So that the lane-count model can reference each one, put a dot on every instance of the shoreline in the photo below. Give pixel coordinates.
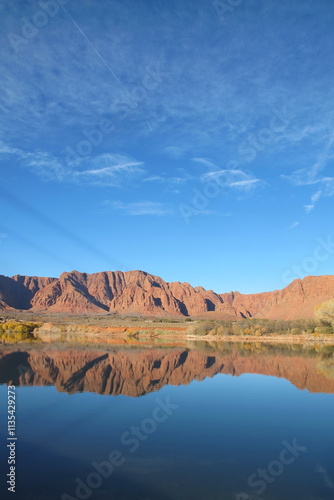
(146, 333)
(146, 340)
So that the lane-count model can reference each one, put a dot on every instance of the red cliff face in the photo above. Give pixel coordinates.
(138, 373)
(295, 301)
(137, 292)
(18, 291)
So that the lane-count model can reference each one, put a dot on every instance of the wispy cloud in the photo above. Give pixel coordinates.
(108, 168)
(139, 208)
(215, 98)
(206, 162)
(45, 165)
(152, 208)
(155, 178)
(245, 184)
(313, 175)
(316, 196)
(294, 224)
(5, 149)
(232, 178)
(308, 208)
(167, 179)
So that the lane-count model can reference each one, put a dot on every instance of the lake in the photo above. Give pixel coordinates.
(207, 422)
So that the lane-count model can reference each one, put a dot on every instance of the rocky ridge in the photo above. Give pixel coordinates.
(138, 292)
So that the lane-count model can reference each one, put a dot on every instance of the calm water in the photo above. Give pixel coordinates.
(171, 424)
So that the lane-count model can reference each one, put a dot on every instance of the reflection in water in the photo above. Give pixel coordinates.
(197, 433)
(138, 372)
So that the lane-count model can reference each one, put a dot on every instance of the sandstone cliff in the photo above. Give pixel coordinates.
(18, 291)
(137, 292)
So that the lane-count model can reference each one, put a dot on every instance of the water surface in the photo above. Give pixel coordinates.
(163, 424)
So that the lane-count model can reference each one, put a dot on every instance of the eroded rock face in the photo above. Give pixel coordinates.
(295, 301)
(18, 291)
(139, 292)
(138, 373)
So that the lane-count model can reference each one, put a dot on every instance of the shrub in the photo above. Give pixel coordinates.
(16, 331)
(324, 329)
(325, 313)
(295, 331)
(202, 329)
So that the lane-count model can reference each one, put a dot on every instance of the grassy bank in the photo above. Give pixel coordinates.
(138, 330)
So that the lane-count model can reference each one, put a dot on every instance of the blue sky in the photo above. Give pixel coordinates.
(190, 139)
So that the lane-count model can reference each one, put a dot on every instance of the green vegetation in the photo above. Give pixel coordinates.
(325, 314)
(25, 326)
(258, 327)
(18, 331)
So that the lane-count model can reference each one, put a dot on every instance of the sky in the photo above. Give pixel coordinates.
(190, 139)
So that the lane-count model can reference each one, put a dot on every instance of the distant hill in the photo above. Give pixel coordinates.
(138, 292)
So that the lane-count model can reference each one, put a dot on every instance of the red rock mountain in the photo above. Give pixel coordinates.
(137, 292)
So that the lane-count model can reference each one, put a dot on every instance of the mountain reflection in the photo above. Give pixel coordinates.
(139, 372)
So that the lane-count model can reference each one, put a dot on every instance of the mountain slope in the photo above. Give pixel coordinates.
(18, 291)
(138, 292)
